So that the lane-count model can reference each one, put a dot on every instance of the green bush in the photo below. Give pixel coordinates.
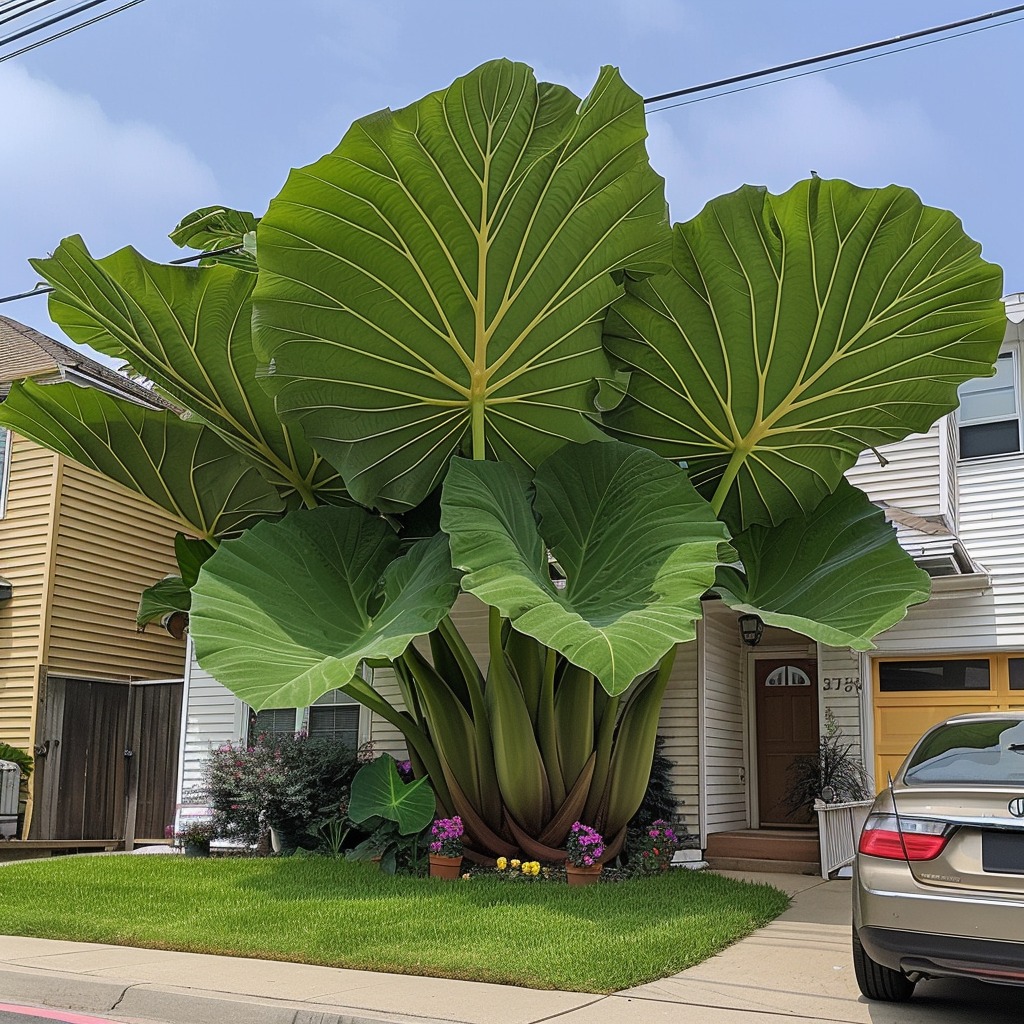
(291, 783)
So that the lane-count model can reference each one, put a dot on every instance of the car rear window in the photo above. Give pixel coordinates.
(965, 752)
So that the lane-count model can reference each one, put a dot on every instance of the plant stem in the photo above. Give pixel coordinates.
(739, 456)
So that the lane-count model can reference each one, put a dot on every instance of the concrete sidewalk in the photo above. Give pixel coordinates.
(797, 967)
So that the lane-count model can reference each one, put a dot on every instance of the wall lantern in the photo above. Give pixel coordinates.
(751, 629)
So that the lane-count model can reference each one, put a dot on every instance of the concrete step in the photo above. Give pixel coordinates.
(763, 844)
(789, 867)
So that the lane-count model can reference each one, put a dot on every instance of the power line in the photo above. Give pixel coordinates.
(836, 54)
(68, 31)
(32, 5)
(47, 22)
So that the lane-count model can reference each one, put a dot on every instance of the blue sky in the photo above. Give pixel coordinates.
(117, 131)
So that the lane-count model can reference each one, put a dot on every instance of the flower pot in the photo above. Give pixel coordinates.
(197, 849)
(582, 875)
(445, 867)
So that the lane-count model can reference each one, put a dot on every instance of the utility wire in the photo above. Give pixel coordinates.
(68, 31)
(8, 16)
(47, 22)
(46, 289)
(836, 54)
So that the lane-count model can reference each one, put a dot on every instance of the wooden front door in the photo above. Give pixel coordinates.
(786, 697)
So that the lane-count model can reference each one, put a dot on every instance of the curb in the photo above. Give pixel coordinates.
(58, 990)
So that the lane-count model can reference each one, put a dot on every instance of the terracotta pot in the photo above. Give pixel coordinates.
(582, 875)
(445, 867)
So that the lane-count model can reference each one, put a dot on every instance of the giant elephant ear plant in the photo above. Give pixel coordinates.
(478, 301)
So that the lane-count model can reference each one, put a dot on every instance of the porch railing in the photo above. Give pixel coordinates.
(839, 828)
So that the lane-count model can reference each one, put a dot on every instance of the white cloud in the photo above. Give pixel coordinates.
(66, 167)
(778, 135)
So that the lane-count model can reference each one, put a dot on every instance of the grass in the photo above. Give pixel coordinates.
(343, 914)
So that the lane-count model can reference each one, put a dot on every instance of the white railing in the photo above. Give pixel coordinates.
(839, 828)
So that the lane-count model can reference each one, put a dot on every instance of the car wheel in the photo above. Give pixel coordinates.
(875, 980)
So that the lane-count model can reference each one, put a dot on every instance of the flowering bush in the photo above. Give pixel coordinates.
(446, 837)
(584, 846)
(651, 848)
(195, 833)
(292, 783)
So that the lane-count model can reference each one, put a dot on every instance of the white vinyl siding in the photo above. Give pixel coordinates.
(213, 717)
(839, 690)
(5, 467)
(723, 728)
(678, 725)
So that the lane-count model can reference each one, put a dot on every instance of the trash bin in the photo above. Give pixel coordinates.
(10, 781)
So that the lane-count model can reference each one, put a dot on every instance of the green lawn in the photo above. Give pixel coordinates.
(343, 914)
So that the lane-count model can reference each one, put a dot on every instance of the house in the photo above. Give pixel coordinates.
(736, 713)
(97, 703)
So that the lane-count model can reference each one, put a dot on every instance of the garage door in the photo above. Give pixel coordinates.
(911, 694)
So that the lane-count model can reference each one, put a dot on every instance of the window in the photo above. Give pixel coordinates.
(955, 674)
(335, 716)
(5, 467)
(989, 416)
(1016, 669)
(970, 752)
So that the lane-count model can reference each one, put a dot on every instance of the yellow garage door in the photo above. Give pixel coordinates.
(913, 693)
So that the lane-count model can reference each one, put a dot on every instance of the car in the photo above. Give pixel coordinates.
(938, 878)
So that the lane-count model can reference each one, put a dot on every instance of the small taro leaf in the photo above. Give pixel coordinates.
(638, 545)
(378, 789)
(795, 331)
(190, 554)
(213, 227)
(188, 330)
(171, 594)
(838, 575)
(183, 467)
(448, 267)
(288, 611)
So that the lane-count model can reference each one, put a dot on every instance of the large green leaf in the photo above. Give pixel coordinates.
(188, 329)
(288, 611)
(837, 575)
(637, 544)
(378, 790)
(213, 227)
(163, 598)
(440, 278)
(183, 467)
(795, 331)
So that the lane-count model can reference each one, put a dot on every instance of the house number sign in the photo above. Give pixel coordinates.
(788, 675)
(841, 684)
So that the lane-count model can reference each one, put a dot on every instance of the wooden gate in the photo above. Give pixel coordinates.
(107, 760)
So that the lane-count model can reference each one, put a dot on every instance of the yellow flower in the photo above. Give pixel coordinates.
(531, 868)
(515, 863)
(501, 863)
(466, 877)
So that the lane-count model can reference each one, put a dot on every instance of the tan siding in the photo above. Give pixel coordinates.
(111, 545)
(723, 738)
(678, 724)
(24, 560)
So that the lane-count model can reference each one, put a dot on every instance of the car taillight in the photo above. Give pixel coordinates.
(902, 838)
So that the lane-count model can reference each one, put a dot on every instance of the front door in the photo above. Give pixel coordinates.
(786, 698)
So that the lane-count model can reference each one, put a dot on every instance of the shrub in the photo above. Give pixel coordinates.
(834, 768)
(659, 801)
(651, 848)
(292, 783)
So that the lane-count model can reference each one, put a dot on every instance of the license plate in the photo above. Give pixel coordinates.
(1003, 852)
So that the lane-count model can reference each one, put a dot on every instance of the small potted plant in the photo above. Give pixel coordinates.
(653, 847)
(583, 851)
(194, 838)
(446, 847)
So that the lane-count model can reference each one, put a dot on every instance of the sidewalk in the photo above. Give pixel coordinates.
(798, 967)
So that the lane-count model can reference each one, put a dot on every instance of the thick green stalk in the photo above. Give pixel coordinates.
(547, 732)
(728, 479)
(603, 758)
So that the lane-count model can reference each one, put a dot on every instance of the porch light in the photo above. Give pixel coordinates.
(751, 629)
